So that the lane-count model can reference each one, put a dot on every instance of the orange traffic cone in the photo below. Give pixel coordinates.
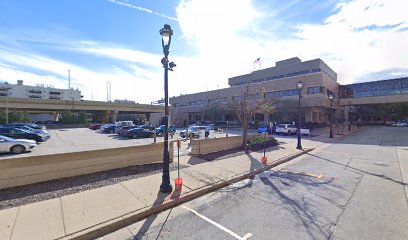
(179, 184)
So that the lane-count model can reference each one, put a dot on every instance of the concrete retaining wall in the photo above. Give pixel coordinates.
(27, 170)
(209, 145)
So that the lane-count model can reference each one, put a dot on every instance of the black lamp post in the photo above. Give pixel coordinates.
(299, 86)
(331, 97)
(166, 32)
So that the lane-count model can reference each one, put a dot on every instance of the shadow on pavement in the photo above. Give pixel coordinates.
(359, 170)
(300, 209)
(149, 221)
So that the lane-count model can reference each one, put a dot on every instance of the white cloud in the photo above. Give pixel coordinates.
(125, 84)
(358, 38)
(142, 9)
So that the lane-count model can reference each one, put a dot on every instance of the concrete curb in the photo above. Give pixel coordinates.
(132, 217)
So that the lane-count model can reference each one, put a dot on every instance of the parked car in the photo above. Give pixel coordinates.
(31, 125)
(15, 145)
(265, 128)
(286, 129)
(123, 129)
(37, 131)
(400, 124)
(160, 130)
(110, 128)
(194, 132)
(149, 127)
(95, 126)
(139, 133)
(21, 134)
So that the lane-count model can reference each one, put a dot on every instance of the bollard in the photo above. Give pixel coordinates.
(179, 181)
(264, 158)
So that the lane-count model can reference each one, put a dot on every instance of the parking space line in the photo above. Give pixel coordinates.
(247, 236)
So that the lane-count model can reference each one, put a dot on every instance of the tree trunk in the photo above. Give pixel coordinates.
(244, 132)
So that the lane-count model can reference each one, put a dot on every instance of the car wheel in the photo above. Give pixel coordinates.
(111, 131)
(17, 149)
(289, 133)
(134, 136)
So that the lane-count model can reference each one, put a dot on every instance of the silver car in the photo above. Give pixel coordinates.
(15, 145)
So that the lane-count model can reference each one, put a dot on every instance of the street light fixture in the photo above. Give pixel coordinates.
(331, 97)
(299, 86)
(6, 88)
(166, 32)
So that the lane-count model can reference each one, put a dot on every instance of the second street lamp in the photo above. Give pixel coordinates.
(166, 32)
(299, 86)
(331, 97)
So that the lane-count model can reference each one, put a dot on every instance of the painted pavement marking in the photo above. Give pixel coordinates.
(247, 236)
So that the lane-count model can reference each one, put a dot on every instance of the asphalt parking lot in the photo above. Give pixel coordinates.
(83, 139)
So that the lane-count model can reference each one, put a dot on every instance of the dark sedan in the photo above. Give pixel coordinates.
(108, 128)
(139, 133)
(149, 127)
(21, 134)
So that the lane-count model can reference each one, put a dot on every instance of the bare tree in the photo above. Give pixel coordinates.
(254, 100)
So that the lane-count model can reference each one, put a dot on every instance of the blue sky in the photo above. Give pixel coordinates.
(119, 41)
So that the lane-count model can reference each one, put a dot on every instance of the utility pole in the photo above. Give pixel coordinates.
(108, 91)
(69, 84)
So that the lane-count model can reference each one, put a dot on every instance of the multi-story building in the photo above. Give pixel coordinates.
(38, 92)
(278, 82)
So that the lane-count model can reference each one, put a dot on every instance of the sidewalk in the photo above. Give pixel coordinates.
(99, 211)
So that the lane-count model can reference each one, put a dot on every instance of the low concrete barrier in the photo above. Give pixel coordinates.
(27, 170)
(209, 145)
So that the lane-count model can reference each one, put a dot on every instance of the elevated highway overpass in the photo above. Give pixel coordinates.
(105, 111)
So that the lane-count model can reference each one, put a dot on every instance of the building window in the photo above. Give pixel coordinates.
(34, 91)
(321, 117)
(314, 90)
(182, 104)
(314, 116)
(275, 77)
(272, 94)
(237, 98)
(297, 73)
(34, 96)
(257, 80)
(216, 100)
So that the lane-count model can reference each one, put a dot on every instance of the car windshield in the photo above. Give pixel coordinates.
(281, 126)
(26, 128)
(6, 138)
(22, 130)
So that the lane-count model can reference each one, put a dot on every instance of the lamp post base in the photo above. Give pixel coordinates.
(166, 188)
